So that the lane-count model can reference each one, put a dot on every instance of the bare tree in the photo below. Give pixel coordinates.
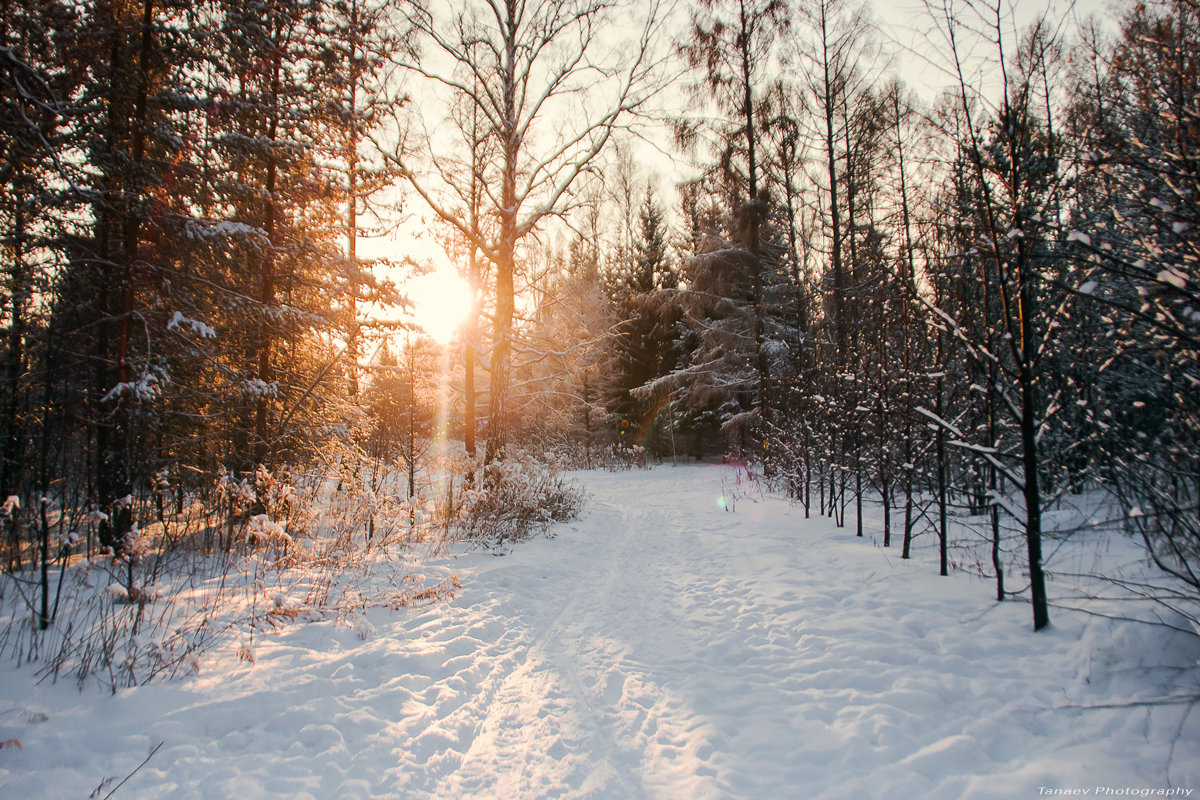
(548, 89)
(1137, 112)
(1014, 184)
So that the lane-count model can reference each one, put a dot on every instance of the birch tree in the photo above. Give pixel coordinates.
(550, 86)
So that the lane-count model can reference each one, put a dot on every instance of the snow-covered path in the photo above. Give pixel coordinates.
(660, 647)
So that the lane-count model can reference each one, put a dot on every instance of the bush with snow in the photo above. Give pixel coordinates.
(518, 498)
(250, 555)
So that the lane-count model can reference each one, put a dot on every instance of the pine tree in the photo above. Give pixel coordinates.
(731, 47)
(643, 292)
(1010, 193)
(35, 91)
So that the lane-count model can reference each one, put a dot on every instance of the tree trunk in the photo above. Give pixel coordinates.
(942, 485)
(113, 436)
(352, 144)
(266, 298)
(505, 261)
(1029, 460)
(839, 276)
(858, 496)
(753, 224)
(886, 496)
(908, 286)
(10, 457)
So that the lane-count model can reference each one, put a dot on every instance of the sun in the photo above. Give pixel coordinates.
(441, 300)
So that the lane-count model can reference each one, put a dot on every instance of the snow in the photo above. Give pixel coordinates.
(659, 647)
(1173, 277)
(207, 229)
(256, 387)
(198, 328)
(263, 529)
(144, 389)
(950, 426)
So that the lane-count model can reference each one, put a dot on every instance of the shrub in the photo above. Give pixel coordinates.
(518, 498)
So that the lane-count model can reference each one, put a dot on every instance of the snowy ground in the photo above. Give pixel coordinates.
(660, 647)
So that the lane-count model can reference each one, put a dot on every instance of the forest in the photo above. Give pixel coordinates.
(955, 278)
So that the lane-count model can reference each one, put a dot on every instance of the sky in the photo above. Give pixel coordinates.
(910, 49)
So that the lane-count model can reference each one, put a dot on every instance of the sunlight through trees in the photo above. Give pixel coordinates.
(968, 302)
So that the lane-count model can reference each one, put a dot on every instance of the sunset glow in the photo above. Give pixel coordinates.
(441, 301)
